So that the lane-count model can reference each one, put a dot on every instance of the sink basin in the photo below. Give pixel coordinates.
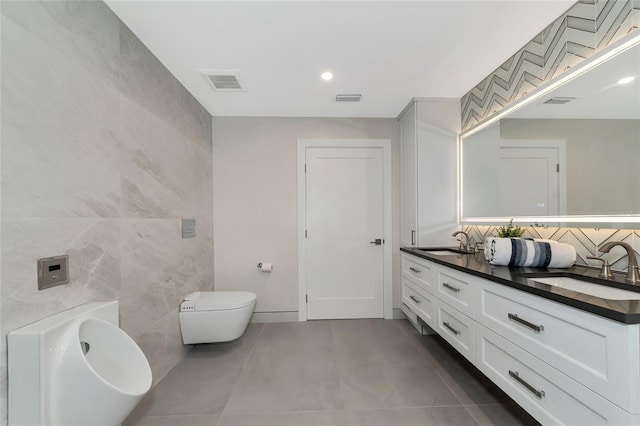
(442, 251)
(603, 291)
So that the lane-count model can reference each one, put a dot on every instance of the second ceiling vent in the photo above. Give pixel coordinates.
(223, 80)
(348, 97)
(559, 100)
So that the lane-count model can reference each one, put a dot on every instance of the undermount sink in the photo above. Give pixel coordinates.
(585, 287)
(440, 251)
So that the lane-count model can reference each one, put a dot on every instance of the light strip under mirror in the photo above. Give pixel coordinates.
(599, 210)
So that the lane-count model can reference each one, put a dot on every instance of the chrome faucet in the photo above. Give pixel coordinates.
(463, 247)
(633, 275)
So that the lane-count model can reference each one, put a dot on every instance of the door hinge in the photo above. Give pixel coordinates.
(305, 168)
(306, 298)
(305, 233)
(557, 168)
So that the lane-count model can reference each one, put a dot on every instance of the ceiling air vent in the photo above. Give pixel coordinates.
(559, 100)
(223, 80)
(348, 97)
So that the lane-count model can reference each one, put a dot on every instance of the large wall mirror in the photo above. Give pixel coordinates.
(571, 156)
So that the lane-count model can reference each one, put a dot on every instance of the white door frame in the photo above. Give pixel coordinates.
(385, 144)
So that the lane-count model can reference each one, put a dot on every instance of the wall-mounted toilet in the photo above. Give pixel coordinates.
(215, 316)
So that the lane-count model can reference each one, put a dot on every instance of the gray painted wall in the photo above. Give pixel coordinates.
(103, 152)
(255, 200)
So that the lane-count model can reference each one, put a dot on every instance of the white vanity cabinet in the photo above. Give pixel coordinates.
(550, 396)
(450, 301)
(456, 328)
(417, 289)
(428, 180)
(599, 353)
(420, 302)
(563, 365)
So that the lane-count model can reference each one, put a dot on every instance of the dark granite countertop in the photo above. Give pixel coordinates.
(521, 278)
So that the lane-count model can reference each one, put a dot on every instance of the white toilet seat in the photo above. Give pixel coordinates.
(218, 300)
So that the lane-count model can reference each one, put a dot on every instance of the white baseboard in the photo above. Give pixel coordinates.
(292, 316)
(275, 317)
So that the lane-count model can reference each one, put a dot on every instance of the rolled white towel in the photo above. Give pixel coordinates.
(538, 253)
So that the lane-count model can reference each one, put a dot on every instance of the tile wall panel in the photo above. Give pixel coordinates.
(589, 26)
(103, 152)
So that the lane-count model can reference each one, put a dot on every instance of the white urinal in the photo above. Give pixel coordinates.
(101, 363)
(75, 368)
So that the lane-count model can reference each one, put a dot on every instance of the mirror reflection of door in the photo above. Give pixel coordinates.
(528, 181)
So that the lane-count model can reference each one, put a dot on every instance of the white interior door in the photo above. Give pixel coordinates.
(528, 183)
(344, 214)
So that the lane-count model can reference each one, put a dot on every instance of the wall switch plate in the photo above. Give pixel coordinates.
(188, 228)
(53, 271)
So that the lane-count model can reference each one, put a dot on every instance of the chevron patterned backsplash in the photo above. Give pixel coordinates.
(586, 28)
(585, 240)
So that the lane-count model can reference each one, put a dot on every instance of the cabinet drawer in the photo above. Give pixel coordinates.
(419, 271)
(544, 392)
(456, 328)
(419, 301)
(456, 290)
(600, 354)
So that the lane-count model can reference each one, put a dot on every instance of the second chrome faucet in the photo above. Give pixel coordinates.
(633, 275)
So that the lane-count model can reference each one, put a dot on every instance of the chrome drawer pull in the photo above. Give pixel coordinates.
(536, 328)
(415, 299)
(453, 330)
(412, 269)
(450, 287)
(536, 392)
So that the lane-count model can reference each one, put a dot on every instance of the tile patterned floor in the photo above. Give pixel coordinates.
(329, 373)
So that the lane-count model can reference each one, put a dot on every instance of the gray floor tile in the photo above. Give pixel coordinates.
(392, 386)
(312, 418)
(352, 372)
(509, 414)
(380, 367)
(362, 343)
(291, 369)
(431, 416)
(468, 384)
(202, 381)
(204, 420)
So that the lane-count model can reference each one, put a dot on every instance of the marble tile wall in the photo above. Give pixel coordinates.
(102, 153)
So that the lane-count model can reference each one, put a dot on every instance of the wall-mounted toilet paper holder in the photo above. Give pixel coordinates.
(265, 266)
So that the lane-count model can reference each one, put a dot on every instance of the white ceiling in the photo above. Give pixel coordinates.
(389, 51)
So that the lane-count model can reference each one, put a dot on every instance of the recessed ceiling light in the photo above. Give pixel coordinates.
(626, 80)
(326, 76)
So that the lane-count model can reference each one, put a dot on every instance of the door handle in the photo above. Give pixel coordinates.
(378, 241)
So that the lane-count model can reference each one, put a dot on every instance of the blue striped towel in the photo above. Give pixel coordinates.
(529, 252)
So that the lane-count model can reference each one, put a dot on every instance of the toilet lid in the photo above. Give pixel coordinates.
(220, 300)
